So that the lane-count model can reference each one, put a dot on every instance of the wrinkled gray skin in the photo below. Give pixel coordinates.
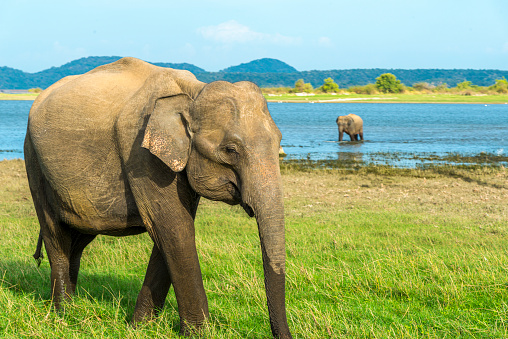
(352, 125)
(129, 148)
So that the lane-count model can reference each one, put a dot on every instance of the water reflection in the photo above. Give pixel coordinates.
(352, 144)
(351, 157)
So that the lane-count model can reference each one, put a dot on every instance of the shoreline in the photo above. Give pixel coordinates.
(501, 100)
(18, 97)
(397, 161)
(416, 98)
(378, 99)
(337, 101)
(385, 102)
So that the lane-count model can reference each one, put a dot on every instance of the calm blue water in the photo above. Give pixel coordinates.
(13, 120)
(309, 130)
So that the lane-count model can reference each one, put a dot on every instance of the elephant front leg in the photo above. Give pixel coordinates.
(168, 213)
(179, 250)
(167, 205)
(155, 288)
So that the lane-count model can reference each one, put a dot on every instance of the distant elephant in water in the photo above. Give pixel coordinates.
(129, 148)
(352, 124)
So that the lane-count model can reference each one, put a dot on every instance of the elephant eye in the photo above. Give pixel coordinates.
(231, 149)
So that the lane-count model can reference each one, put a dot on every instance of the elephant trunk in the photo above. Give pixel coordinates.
(262, 192)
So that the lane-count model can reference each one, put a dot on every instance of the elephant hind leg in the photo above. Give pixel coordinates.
(56, 239)
(64, 247)
(155, 288)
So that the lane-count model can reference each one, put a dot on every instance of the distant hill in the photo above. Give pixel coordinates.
(265, 65)
(11, 78)
(264, 72)
(15, 79)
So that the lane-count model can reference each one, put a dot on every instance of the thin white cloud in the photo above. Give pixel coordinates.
(325, 42)
(61, 49)
(230, 32)
(188, 50)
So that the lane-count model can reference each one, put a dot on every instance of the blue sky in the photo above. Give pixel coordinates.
(308, 35)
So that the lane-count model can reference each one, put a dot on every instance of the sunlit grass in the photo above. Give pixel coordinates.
(372, 252)
(27, 96)
(392, 98)
(353, 97)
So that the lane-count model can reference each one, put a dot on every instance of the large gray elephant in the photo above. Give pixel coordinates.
(129, 148)
(352, 125)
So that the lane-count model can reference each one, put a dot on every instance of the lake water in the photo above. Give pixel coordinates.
(408, 130)
(309, 130)
(13, 120)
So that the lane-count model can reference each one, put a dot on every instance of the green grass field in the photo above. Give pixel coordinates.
(28, 96)
(351, 97)
(372, 252)
(393, 98)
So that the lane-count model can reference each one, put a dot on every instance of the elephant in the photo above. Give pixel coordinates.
(130, 147)
(352, 124)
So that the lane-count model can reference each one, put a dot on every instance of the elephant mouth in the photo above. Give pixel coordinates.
(237, 197)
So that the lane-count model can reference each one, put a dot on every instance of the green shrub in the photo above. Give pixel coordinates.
(388, 83)
(329, 86)
(464, 85)
(442, 88)
(367, 89)
(423, 86)
(501, 86)
(275, 90)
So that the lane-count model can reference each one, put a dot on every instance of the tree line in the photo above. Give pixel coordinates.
(361, 77)
(286, 76)
(388, 83)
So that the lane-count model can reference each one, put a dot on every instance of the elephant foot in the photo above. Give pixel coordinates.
(144, 314)
(188, 330)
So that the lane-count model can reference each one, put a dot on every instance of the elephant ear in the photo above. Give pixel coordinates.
(167, 134)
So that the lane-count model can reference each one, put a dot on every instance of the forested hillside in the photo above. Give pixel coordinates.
(265, 65)
(264, 72)
(15, 79)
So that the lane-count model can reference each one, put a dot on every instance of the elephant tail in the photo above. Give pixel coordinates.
(38, 255)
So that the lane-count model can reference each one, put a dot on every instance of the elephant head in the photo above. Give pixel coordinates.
(350, 124)
(343, 124)
(228, 145)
